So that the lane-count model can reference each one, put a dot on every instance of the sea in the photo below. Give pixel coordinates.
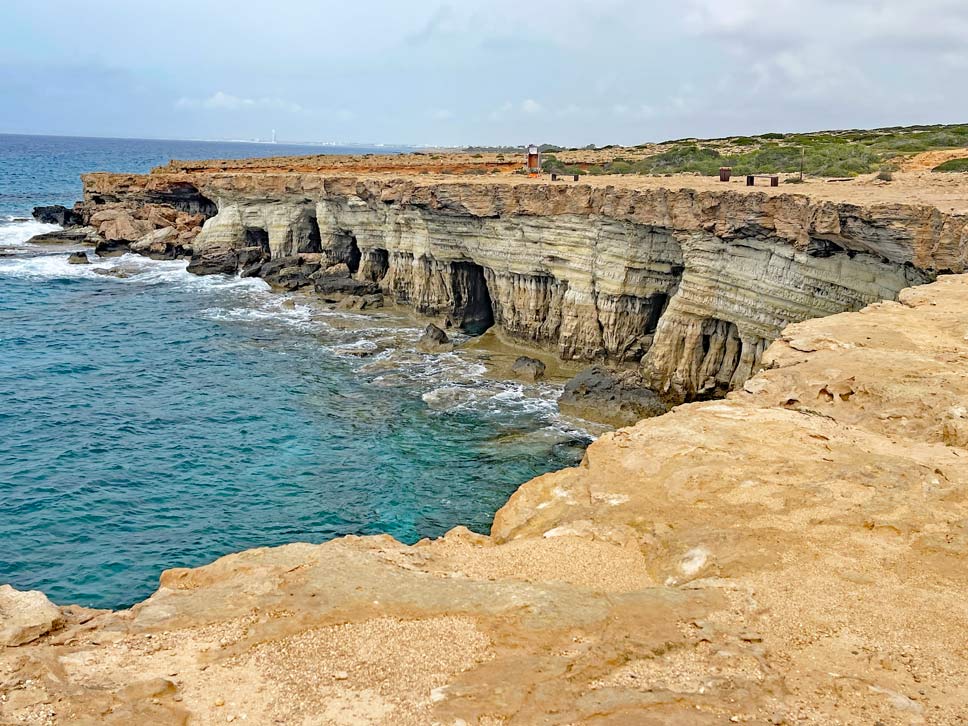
(150, 418)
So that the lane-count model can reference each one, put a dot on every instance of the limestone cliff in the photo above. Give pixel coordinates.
(690, 286)
(794, 554)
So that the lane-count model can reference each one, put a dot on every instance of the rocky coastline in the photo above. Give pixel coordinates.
(683, 288)
(792, 554)
(789, 553)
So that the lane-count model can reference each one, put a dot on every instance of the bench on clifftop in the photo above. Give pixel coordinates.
(751, 179)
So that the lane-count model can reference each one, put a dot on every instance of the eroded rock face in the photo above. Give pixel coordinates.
(25, 616)
(689, 286)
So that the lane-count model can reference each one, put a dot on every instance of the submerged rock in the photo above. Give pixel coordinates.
(78, 258)
(528, 369)
(25, 616)
(434, 340)
(618, 398)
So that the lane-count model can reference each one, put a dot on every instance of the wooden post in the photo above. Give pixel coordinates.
(576, 177)
(554, 177)
(749, 180)
(774, 181)
(803, 153)
(724, 173)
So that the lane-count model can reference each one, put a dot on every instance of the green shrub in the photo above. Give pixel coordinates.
(953, 165)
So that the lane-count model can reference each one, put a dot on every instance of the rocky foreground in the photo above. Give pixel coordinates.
(793, 554)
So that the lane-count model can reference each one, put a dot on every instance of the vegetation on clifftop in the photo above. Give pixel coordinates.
(825, 154)
(953, 165)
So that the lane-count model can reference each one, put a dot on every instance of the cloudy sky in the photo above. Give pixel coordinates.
(478, 71)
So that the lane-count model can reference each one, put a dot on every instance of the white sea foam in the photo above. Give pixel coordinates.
(15, 232)
(382, 349)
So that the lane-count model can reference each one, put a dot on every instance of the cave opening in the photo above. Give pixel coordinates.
(353, 255)
(472, 300)
(256, 237)
(657, 306)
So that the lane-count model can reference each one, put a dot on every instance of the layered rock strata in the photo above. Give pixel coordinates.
(793, 554)
(688, 286)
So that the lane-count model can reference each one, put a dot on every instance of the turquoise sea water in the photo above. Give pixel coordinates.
(151, 419)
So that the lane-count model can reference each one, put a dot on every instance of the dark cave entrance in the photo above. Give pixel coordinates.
(255, 237)
(657, 306)
(472, 301)
(353, 255)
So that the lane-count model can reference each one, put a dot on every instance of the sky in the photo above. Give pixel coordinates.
(478, 72)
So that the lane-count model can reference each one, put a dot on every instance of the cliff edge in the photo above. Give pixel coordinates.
(681, 280)
(793, 554)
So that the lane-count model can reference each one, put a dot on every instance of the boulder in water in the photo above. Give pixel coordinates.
(57, 214)
(434, 340)
(288, 273)
(528, 369)
(73, 236)
(333, 288)
(215, 261)
(618, 398)
(111, 248)
(78, 258)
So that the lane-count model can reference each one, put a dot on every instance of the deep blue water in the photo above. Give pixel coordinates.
(157, 419)
(40, 170)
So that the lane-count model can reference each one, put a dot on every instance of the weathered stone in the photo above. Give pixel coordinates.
(72, 235)
(290, 278)
(333, 288)
(360, 302)
(25, 615)
(218, 261)
(434, 340)
(78, 258)
(528, 369)
(111, 248)
(619, 398)
(57, 214)
(159, 244)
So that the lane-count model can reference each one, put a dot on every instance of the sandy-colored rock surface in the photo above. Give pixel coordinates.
(794, 554)
(25, 616)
